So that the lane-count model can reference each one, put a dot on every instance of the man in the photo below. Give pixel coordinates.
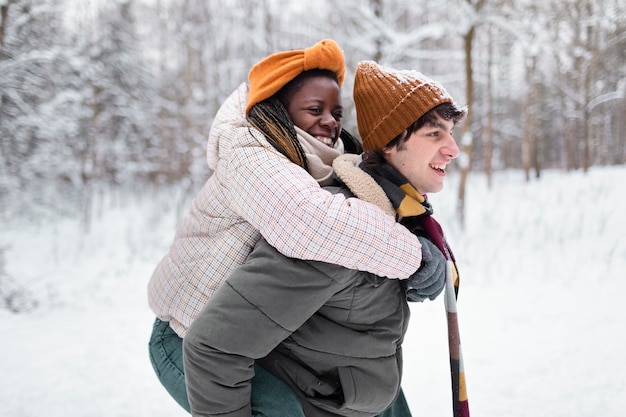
(334, 335)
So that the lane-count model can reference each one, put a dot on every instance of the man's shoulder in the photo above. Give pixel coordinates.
(265, 256)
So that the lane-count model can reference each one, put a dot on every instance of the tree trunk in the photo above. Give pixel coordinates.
(528, 123)
(466, 136)
(488, 128)
(586, 122)
(4, 12)
(377, 6)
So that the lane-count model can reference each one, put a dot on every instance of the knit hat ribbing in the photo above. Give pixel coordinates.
(270, 74)
(388, 101)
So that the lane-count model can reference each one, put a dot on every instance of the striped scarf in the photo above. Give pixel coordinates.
(415, 213)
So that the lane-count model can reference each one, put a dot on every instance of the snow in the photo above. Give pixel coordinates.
(540, 306)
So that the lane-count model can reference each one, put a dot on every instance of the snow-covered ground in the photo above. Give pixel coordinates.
(541, 305)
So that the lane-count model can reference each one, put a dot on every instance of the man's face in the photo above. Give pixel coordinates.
(423, 158)
(316, 108)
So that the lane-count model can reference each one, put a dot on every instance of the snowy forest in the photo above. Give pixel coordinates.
(123, 92)
(105, 108)
(119, 95)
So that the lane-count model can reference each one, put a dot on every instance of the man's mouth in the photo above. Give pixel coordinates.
(439, 167)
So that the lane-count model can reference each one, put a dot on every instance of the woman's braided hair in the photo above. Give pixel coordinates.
(270, 116)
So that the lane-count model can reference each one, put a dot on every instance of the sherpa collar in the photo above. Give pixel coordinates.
(407, 201)
(360, 183)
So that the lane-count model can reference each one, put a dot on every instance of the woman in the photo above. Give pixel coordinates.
(263, 185)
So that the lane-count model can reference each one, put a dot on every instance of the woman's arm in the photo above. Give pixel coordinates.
(303, 221)
(298, 217)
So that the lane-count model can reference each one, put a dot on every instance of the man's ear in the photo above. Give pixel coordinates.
(389, 150)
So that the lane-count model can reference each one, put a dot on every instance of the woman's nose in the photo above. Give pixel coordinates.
(329, 120)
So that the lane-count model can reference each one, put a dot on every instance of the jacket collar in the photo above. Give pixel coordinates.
(361, 184)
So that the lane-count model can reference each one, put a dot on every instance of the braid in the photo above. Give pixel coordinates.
(271, 118)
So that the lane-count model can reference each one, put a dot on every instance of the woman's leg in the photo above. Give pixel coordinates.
(399, 408)
(166, 355)
(271, 397)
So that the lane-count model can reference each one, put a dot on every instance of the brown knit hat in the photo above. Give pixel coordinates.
(387, 101)
(271, 74)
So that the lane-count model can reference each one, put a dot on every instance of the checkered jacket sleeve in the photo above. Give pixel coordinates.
(256, 191)
(303, 221)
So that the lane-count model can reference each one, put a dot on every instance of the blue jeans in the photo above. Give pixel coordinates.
(271, 397)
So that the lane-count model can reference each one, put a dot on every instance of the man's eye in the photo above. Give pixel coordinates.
(315, 110)
(338, 116)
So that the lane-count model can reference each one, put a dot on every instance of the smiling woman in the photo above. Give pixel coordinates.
(310, 107)
(313, 101)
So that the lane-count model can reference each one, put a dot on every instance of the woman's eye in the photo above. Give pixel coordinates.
(338, 116)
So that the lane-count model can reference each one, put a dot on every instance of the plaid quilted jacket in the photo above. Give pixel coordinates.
(255, 191)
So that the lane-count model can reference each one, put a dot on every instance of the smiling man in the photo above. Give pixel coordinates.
(332, 334)
(387, 103)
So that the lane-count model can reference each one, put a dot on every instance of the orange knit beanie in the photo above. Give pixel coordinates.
(388, 101)
(269, 75)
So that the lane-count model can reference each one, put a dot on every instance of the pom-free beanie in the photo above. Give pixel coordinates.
(270, 74)
(388, 101)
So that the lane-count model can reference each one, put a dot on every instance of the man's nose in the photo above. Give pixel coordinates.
(451, 149)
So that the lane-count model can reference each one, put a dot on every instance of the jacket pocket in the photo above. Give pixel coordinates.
(371, 389)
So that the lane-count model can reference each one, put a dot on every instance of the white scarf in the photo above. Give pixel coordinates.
(319, 156)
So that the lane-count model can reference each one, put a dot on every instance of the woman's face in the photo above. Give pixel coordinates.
(316, 108)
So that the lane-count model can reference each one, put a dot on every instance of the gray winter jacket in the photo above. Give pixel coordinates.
(332, 333)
